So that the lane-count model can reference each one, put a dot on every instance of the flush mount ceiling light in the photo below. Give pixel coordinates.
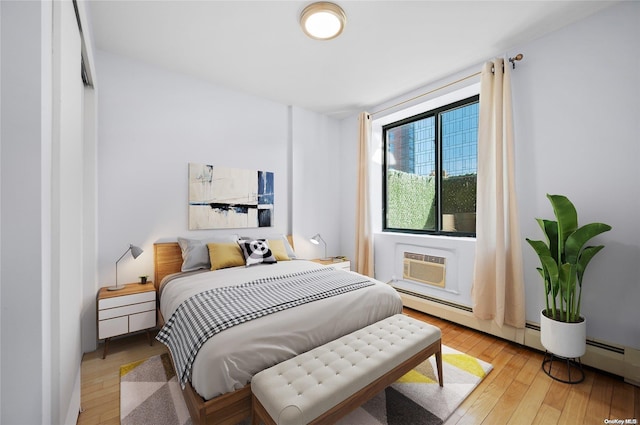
(323, 20)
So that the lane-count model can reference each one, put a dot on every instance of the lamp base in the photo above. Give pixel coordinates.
(115, 288)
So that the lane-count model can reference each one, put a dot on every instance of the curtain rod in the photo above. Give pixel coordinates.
(513, 60)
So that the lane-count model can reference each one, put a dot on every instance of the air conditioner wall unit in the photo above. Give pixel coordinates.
(426, 269)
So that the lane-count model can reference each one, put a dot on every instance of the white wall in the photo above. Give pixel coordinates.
(316, 183)
(90, 189)
(348, 158)
(577, 133)
(576, 129)
(41, 214)
(1, 207)
(68, 204)
(25, 275)
(90, 220)
(153, 122)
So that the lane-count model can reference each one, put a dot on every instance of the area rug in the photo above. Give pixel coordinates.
(150, 393)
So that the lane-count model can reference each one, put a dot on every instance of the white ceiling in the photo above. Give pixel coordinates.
(387, 49)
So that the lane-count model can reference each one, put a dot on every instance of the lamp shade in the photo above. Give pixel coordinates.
(316, 239)
(135, 253)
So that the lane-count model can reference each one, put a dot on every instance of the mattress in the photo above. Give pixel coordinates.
(228, 360)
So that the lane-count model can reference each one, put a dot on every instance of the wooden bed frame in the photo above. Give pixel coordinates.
(226, 409)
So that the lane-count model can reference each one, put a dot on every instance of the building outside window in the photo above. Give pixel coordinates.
(430, 171)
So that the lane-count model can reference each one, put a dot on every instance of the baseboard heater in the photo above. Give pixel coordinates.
(434, 300)
(598, 344)
(616, 359)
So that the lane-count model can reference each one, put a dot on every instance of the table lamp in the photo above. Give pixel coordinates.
(135, 252)
(316, 241)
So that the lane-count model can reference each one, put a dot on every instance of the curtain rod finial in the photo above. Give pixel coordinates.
(517, 57)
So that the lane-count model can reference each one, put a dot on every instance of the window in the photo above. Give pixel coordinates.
(430, 170)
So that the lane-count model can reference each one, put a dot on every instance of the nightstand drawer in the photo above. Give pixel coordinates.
(126, 299)
(140, 321)
(126, 310)
(345, 265)
(113, 327)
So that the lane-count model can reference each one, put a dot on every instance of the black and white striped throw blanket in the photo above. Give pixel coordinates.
(203, 315)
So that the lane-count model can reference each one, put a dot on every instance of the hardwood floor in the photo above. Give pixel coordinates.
(516, 391)
(100, 389)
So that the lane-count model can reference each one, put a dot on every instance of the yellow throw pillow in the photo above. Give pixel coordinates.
(223, 255)
(278, 249)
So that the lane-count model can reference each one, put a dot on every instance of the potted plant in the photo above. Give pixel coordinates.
(564, 258)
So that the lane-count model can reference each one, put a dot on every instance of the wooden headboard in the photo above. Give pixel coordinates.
(167, 259)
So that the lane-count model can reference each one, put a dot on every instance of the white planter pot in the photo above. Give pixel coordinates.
(563, 339)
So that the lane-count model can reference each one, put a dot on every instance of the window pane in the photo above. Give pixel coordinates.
(411, 176)
(459, 163)
(430, 170)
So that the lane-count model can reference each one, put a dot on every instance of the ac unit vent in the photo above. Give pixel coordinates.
(427, 269)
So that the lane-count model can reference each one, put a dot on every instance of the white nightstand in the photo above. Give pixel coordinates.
(127, 310)
(335, 262)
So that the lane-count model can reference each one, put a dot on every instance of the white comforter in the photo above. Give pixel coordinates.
(228, 360)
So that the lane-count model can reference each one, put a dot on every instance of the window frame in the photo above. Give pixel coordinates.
(435, 112)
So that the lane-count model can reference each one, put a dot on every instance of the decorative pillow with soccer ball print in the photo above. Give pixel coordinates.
(256, 251)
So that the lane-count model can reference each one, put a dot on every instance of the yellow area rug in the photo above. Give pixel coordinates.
(150, 393)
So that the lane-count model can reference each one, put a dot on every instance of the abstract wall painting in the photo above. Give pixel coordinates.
(223, 198)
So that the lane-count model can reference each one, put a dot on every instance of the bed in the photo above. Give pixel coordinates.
(218, 391)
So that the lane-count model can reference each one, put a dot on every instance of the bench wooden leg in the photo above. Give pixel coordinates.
(259, 414)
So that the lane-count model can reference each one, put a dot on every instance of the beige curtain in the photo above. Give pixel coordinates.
(498, 286)
(364, 239)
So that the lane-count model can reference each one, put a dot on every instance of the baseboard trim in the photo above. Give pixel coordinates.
(449, 311)
(615, 359)
(73, 410)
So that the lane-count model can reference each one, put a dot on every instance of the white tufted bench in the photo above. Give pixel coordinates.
(324, 384)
